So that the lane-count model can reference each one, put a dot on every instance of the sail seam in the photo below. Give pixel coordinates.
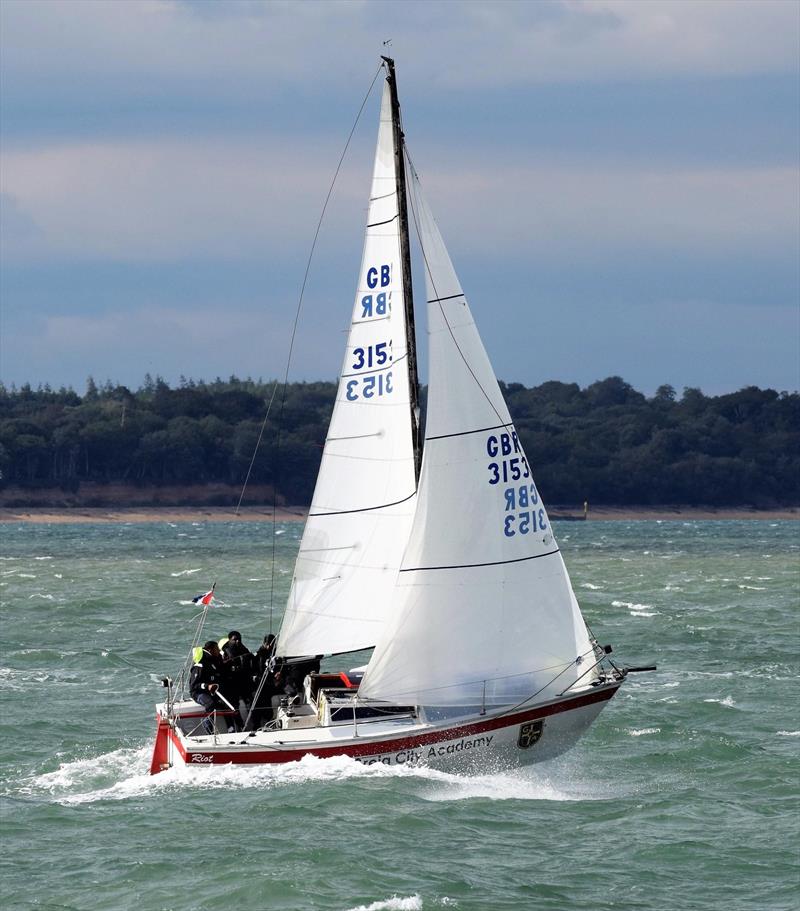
(437, 300)
(364, 322)
(419, 569)
(377, 224)
(344, 512)
(385, 196)
(464, 433)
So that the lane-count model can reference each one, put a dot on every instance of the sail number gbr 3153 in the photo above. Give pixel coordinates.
(523, 511)
(373, 360)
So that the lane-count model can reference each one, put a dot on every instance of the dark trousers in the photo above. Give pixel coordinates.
(211, 704)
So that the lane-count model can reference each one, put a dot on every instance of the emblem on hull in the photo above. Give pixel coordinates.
(529, 734)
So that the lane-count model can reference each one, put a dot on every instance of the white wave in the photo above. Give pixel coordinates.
(42, 558)
(25, 576)
(85, 780)
(639, 732)
(591, 587)
(20, 681)
(280, 531)
(556, 783)
(754, 588)
(186, 572)
(727, 701)
(670, 685)
(43, 597)
(58, 575)
(788, 733)
(411, 903)
(123, 774)
(631, 606)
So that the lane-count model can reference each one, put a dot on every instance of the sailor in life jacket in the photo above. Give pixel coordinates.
(204, 680)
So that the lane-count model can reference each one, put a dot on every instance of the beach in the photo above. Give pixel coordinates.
(54, 516)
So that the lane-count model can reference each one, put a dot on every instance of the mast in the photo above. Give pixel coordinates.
(405, 260)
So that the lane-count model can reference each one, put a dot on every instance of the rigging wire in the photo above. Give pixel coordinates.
(255, 450)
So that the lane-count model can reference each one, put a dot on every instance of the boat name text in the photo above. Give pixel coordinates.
(423, 754)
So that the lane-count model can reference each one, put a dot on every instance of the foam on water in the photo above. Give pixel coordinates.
(395, 903)
(555, 782)
(20, 681)
(727, 701)
(637, 610)
(123, 774)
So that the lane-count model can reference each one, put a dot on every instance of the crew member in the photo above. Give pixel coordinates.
(204, 682)
(263, 682)
(238, 667)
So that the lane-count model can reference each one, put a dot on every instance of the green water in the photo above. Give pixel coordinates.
(683, 795)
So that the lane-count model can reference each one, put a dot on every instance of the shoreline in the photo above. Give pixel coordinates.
(99, 515)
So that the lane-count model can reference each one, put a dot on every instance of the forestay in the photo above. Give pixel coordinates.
(363, 502)
(484, 609)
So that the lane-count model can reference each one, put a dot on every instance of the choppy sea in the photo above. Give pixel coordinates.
(683, 795)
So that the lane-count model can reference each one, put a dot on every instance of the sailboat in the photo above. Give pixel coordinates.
(438, 555)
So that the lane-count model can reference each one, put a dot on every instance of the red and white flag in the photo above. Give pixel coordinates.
(205, 599)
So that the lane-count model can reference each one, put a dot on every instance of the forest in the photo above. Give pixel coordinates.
(605, 443)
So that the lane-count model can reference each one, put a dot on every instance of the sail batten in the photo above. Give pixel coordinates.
(427, 569)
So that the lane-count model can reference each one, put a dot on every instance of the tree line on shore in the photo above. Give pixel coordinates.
(606, 443)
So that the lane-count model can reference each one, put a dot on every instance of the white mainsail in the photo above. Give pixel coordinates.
(363, 503)
(484, 609)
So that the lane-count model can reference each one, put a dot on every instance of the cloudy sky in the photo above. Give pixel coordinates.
(617, 183)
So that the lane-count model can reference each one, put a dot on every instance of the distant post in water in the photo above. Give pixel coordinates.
(585, 509)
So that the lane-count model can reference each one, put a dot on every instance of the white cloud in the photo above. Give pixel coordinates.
(581, 211)
(171, 199)
(457, 43)
(257, 198)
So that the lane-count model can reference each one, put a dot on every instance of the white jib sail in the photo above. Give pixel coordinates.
(363, 503)
(484, 608)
